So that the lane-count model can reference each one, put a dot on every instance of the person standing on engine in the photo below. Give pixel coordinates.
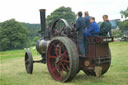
(80, 28)
(87, 19)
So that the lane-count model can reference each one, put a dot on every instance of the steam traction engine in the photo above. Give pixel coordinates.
(59, 49)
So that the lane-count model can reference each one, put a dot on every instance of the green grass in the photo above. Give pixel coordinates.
(12, 70)
(11, 54)
(14, 54)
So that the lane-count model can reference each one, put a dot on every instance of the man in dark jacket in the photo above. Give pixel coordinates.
(80, 27)
(105, 27)
(87, 19)
(93, 30)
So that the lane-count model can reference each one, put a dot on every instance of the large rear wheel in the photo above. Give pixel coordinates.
(62, 59)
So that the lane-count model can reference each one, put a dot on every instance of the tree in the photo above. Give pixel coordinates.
(34, 41)
(62, 12)
(13, 35)
(123, 25)
(33, 30)
(124, 13)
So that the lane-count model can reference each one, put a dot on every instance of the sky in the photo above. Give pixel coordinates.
(28, 10)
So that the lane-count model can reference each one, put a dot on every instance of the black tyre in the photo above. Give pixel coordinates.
(28, 62)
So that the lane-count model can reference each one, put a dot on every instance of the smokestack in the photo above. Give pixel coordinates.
(43, 23)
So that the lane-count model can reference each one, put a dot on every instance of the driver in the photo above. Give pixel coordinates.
(80, 27)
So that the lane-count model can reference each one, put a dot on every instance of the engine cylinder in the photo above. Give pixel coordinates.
(41, 46)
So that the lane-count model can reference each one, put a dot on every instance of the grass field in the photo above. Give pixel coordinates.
(12, 70)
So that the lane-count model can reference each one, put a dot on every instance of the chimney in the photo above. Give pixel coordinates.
(43, 23)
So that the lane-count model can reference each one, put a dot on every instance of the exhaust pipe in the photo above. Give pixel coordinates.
(42, 21)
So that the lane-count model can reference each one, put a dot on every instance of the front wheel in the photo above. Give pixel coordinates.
(62, 59)
(28, 62)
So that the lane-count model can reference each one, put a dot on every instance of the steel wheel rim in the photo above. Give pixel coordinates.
(58, 60)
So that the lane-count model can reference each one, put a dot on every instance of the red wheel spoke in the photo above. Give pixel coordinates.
(58, 65)
(64, 54)
(64, 68)
(60, 72)
(52, 56)
(65, 61)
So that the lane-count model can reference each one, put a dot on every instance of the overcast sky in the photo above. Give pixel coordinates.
(28, 10)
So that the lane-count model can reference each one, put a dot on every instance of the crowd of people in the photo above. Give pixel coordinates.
(87, 26)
